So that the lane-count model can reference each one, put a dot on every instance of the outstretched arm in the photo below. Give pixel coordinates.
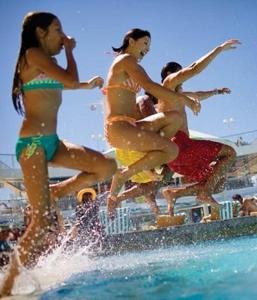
(202, 95)
(94, 82)
(179, 77)
(136, 72)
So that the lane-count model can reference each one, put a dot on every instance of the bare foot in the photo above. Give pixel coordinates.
(112, 204)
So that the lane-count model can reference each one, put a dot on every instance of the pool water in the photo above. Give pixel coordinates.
(213, 270)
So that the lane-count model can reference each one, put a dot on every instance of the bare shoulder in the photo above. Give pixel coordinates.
(171, 81)
(37, 57)
(34, 53)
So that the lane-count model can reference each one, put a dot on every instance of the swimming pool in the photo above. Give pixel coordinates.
(212, 270)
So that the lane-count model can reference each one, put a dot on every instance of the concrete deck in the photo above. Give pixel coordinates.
(180, 235)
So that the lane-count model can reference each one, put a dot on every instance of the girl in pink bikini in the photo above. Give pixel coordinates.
(124, 127)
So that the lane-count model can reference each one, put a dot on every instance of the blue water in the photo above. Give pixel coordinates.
(214, 270)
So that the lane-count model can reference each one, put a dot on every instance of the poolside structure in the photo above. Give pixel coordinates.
(180, 235)
(131, 226)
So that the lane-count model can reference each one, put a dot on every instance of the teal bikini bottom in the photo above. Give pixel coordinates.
(49, 143)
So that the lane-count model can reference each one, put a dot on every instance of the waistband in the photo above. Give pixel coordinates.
(123, 118)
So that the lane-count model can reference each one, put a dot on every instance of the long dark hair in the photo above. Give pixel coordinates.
(170, 67)
(28, 40)
(135, 34)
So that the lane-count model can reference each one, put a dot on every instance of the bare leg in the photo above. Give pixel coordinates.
(149, 161)
(95, 167)
(151, 200)
(137, 190)
(146, 137)
(225, 159)
(204, 191)
(171, 195)
(144, 189)
(167, 129)
(36, 183)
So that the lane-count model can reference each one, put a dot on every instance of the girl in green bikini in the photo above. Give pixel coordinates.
(37, 88)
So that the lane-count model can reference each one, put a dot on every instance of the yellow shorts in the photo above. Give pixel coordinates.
(127, 158)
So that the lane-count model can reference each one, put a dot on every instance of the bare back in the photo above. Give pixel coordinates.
(179, 106)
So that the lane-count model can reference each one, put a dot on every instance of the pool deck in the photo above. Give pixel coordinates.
(180, 235)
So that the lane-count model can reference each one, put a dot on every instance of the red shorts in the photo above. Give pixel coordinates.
(195, 157)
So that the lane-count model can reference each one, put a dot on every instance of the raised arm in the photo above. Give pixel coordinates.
(47, 65)
(69, 44)
(179, 77)
(135, 71)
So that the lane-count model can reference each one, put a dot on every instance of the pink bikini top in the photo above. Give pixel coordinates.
(128, 84)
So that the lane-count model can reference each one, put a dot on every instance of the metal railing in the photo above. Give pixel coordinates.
(121, 223)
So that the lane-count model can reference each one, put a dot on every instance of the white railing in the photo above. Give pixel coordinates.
(120, 224)
(226, 211)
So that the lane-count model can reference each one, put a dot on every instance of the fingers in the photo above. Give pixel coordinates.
(98, 82)
(234, 41)
(224, 91)
(69, 42)
(197, 107)
(230, 44)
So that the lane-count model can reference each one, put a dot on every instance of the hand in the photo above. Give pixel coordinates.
(96, 81)
(195, 105)
(222, 91)
(69, 43)
(230, 44)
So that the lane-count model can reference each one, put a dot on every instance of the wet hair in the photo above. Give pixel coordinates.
(170, 67)
(135, 34)
(28, 40)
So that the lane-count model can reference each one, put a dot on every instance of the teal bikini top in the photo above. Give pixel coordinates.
(42, 82)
